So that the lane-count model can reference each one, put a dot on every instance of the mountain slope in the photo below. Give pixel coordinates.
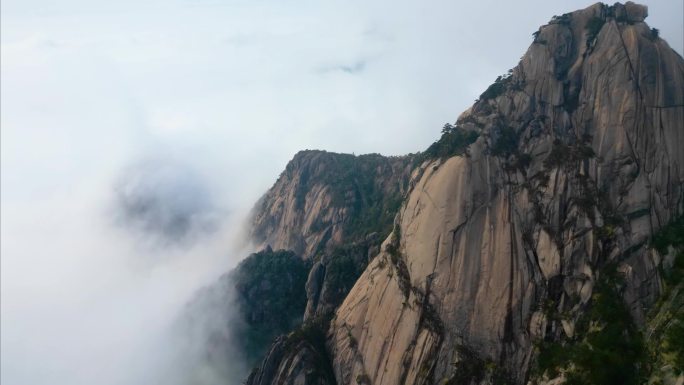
(579, 162)
(325, 199)
(535, 234)
(333, 210)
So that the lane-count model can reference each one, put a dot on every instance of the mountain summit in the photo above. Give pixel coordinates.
(537, 238)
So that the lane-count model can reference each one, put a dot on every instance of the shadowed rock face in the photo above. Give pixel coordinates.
(578, 162)
(293, 361)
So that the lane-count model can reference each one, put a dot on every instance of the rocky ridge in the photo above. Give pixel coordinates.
(333, 210)
(508, 246)
(324, 199)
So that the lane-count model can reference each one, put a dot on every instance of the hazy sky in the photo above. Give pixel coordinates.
(222, 94)
(249, 83)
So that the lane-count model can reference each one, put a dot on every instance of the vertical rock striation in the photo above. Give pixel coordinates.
(578, 161)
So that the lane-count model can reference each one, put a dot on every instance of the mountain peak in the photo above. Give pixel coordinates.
(560, 174)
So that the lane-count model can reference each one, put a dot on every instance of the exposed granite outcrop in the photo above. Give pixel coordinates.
(324, 199)
(578, 162)
(333, 209)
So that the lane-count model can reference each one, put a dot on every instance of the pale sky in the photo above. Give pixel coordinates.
(250, 82)
(226, 91)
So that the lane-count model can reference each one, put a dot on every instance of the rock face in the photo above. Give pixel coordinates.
(303, 367)
(332, 209)
(579, 160)
(334, 274)
(324, 199)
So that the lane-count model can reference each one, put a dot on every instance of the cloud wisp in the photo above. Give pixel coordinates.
(165, 203)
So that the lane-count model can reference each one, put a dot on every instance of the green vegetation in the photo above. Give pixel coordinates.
(313, 334)
(607, 348)
(673, 344)
(356, 183)
(377, 216)
(403, 276)
(497, 88)
(593, 27)
(505, 142)
(523, 161)
(612, 350)
(454, 141)
(671, 235)
(666, 321)
(655, 32)
(567, 155)
(471, 368)
(563, 19)
(271, 296)
(536, 39)
(312, 331)
(342, 271)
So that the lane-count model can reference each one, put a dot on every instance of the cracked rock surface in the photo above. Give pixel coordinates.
(578, 162)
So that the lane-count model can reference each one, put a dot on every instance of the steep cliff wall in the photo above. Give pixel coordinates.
(580, 160)
(522, 227)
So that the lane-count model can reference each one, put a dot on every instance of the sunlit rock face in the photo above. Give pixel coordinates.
(578, 161)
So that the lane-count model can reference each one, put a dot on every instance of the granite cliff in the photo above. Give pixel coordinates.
(522, 250)
(325, 199)
(333, 210)
(578, 164)
(326, 216)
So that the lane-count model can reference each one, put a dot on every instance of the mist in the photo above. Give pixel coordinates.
(90, 300)
(164, 202)
(136, 136)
